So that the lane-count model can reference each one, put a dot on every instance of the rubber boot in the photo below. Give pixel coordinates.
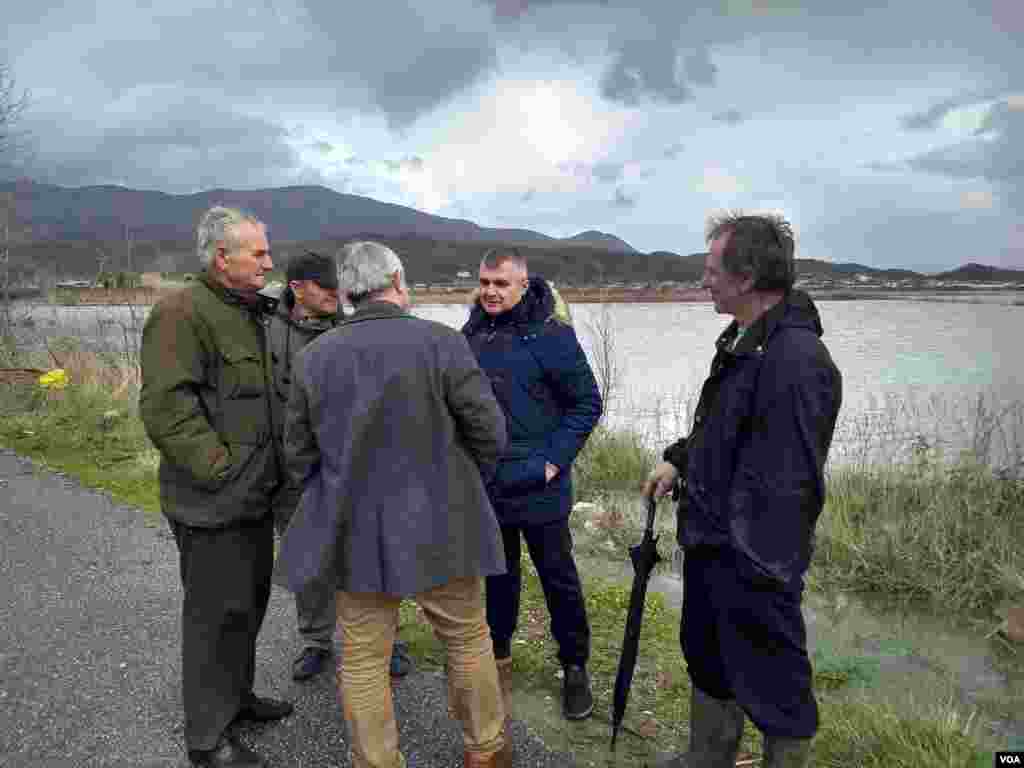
(786, 753)
(716, 727)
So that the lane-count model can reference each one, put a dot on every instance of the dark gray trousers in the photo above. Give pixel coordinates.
(225, 575)
(315, 606)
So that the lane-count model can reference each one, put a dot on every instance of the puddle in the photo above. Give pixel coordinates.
(924, 666)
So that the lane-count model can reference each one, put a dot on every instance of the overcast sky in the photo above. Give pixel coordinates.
(890, 136)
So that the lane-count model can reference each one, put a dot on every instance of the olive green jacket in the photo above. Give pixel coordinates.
(206, 403)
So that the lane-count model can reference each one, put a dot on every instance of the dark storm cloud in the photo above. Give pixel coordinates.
(699, 68)
(393, 56)
(182, 148)
(729, 117)
(410, 59)
(645, 70)
(931, 117)
(995, 154)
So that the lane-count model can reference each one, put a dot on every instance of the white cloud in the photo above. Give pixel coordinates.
(513, 136)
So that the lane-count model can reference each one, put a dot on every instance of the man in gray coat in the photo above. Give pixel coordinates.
(391, 429)
(307, 307)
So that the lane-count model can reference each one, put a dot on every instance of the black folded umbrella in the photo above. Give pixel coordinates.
(644, 556)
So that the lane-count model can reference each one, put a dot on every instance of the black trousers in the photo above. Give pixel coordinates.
(744, 637)
(550, 548)
(225, 574)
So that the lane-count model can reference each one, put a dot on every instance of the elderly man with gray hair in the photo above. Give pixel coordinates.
(206, 405)
(391, 429)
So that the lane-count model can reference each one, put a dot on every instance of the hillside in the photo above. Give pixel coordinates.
(71, 232)
(980, 273)
(600, 240)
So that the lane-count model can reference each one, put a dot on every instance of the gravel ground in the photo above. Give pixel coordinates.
(89, 648)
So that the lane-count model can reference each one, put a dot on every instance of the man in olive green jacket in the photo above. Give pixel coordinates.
(206, 403)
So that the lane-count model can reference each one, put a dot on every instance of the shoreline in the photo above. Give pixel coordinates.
(98, 297)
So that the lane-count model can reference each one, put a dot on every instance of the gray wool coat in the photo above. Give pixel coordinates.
(391, 429)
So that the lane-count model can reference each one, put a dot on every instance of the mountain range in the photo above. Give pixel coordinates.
(107, 213)
(63, 228)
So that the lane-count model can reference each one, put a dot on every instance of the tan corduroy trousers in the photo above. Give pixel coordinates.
(368, 620)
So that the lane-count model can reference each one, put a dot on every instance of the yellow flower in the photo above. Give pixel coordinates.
(55, 379)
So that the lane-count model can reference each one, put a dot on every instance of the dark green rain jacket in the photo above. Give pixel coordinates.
(206, 403)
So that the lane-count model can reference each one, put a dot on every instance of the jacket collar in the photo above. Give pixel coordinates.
(536, 306)
(309, 323)
(375, 310)
(253, 302)
(795, 310)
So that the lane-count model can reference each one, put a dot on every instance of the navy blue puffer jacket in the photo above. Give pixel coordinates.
(754, 462)
(551, 401)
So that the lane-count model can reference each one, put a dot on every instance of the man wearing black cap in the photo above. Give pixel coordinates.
(308, 307)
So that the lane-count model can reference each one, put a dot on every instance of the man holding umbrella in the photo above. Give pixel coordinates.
(752, 482)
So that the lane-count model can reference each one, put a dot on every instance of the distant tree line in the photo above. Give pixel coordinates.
(426, 260)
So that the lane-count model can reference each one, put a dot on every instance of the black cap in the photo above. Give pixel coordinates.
(321, 269)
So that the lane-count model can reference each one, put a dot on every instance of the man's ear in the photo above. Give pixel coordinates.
(220, 255)
(396, 281)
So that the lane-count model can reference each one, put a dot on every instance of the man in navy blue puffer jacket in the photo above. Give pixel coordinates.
(521, 333)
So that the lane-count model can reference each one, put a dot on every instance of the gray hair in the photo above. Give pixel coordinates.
(495, 257)
(759, 245)
(365, 268)
(220, 225)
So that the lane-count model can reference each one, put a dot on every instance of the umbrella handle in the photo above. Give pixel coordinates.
(652, 506)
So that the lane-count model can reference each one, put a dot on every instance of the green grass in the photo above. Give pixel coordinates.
(612, 460)
(943, 535)
(84, 430)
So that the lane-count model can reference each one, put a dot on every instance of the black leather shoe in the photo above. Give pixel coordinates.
(229, 753)
(260, 710)
(577, 700)
(310, 663)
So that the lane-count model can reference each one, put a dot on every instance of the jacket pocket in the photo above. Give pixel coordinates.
(771, 527)
(241, 374)
(519, 476)
(243, 398)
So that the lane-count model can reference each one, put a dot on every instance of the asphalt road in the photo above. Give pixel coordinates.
(89, 648)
